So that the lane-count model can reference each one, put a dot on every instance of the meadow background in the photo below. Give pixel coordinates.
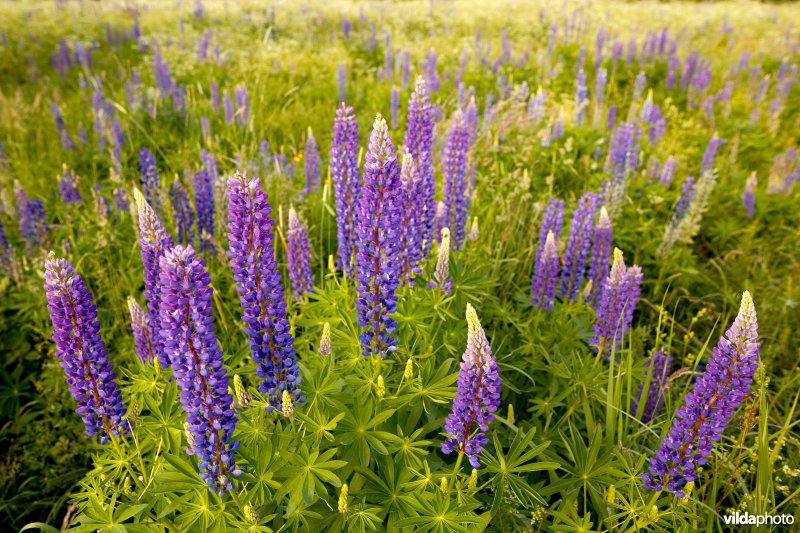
(567, 449)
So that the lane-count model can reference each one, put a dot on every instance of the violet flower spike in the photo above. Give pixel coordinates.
(600, 263)
(182, 212)
(578, 245)
(81, 351)
(545, 275)
(260, 289)
(477, 396)
(749, 196)
(346, 183)
(204, 206)
(419, 143)
(143, 342)
(312, 163)
(187, 330)
(441, 276)
(456, 192)
(656, 374)
(150, 181)
(709, 407)
(155, 241)
(411, 246)
(615, 305)
(299, 256)
(378, 252)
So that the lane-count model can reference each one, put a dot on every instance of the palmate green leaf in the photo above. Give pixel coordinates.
(439, 513)
(319, 426)
(164, 418)
(308, 472)
(509, 468)
(388, 486)
(436, 387)
(178, 475)
(359, 436)
(109, 518)
(259, 476)
(41, 526)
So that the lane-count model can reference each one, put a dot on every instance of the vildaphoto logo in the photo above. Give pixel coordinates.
(742, 519)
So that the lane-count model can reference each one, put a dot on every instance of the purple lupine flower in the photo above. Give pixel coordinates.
(441, 276)
(215, 96)
(749, 196)
(387, 57)
(406, 68)
(346, 183)
(379, 217)
(711, 151)
(545, 274)
(341, 83)
(101, 203)
(298, 256)
(656, 374)
(673, 64)
(709, 407)
(667, 171)
(204, 207)
(155, 241)
(537, 105)
(33, 224)
(600, 86)
(688, 71)
(143, 342)
(242, 104)
(6, 253)
(615, 305)
(432, 76)
(227, 103)
(581, 96)
(611, 117)
(260, 289)
(456, 193)
(120, 199)
(395, 104)
(182, 212)
(477, 395)
(27, 226)
(623, 159)
(68, 187)
(205, 127)
(346, 25)
(312, 163)
(601, 253)
(81, 351)
(410, 236)
(685, 200)
(187, 331)
(150, 182)
(638, 85)
(61, 127)
(552, 221)
(202, 46)
(419, 143)
(578, 244)
(117, 140)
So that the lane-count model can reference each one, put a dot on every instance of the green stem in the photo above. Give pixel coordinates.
(456, 468)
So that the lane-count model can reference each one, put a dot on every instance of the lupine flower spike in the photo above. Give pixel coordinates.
(477, 396)
(545, 276)
(709, 407)
(346, 183)
(187, 329)
(299, 256)
(145, 348)
(601, 253)
(260, 289)
(580, 239)
(441, 277)
(616, 303)
(325, 347)
(81, 351)
(657, 372)
(154, 241)
(378, 251)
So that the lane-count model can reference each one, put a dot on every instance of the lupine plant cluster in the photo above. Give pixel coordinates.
(353, 266)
